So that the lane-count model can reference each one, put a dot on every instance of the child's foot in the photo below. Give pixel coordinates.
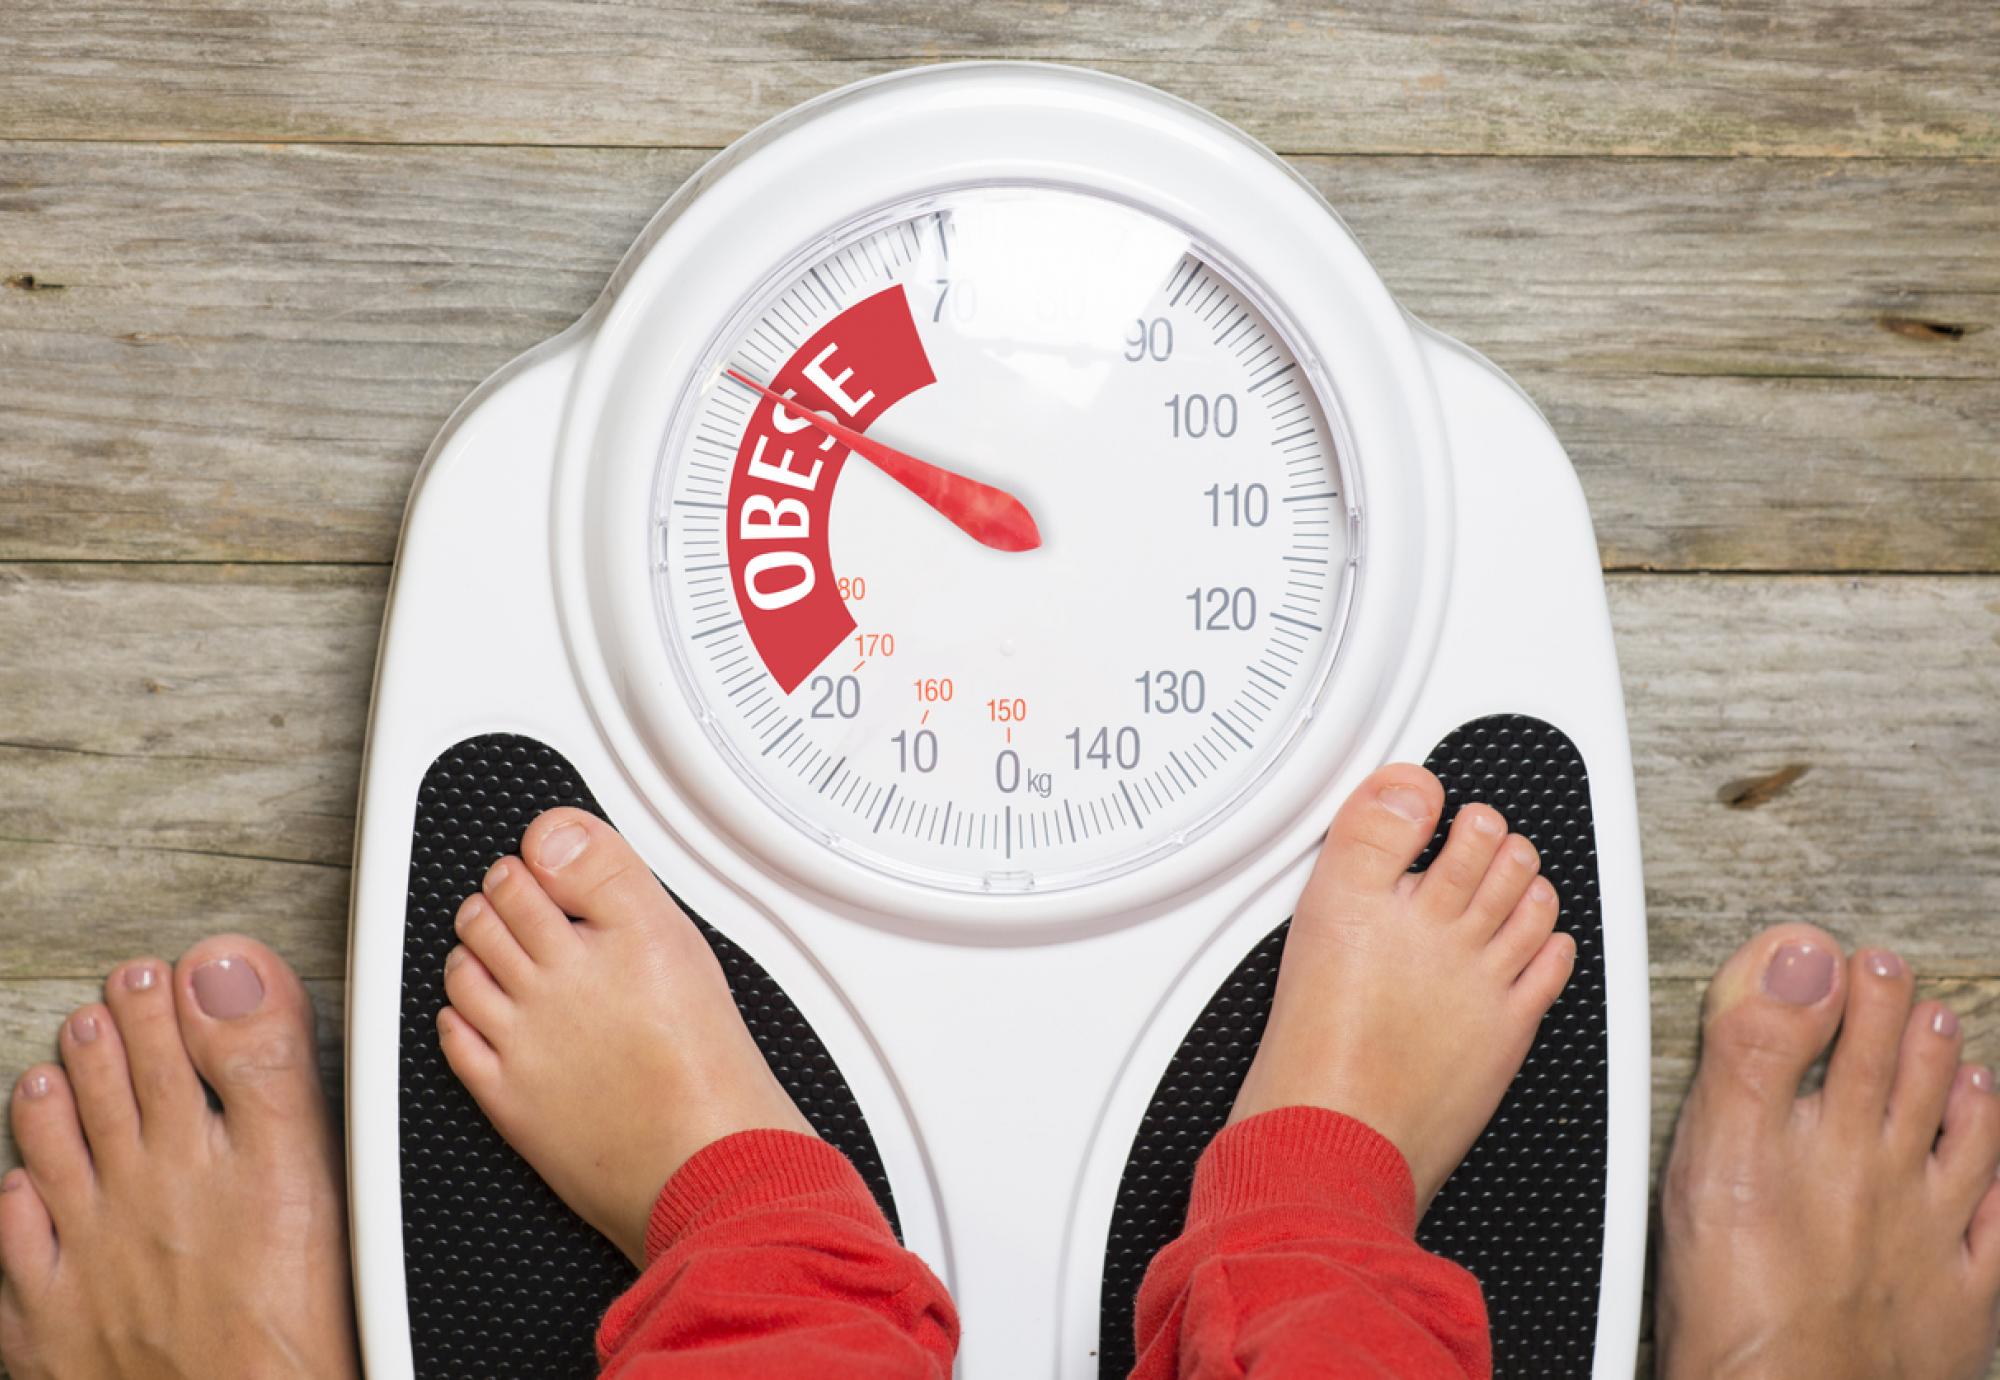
(606, 1052)
(1408, 1001)
(150, 1236)
(1853, 1232)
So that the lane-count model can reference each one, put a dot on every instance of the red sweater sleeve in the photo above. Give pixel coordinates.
(1300, 1259)
(767, 1256)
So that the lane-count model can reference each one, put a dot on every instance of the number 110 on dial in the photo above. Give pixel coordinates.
(1010, 543)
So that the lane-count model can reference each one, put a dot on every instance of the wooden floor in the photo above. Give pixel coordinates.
(1746, 256)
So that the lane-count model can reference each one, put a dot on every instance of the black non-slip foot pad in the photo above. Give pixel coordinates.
(1525, 1211)
(503, 1280)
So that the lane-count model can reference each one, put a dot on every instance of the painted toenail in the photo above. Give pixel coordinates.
(560, 846)
(1406, 801)
(1944, 1023)
(1884, 964)
(1540, 890)
(35, 1085)
(1800, 974)
(141, 978)
(1982, 1078)
(227, 988)
(497, 875)
(83, 1029)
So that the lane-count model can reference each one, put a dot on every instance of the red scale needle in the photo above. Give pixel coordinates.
(992, 517)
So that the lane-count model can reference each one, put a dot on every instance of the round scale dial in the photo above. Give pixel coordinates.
(1006, 543)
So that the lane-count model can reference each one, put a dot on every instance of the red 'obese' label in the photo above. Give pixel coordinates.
(854, 368)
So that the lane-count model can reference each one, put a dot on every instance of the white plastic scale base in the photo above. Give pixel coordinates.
(1002, 1046)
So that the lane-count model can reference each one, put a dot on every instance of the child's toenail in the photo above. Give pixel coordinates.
(1800, 974)
(1406, 801)
(35, 1085)
(227, 988)
(140, 977)
(83, 1029)
(1982, 1078)
(560, 846)
(12, 1180)
(497, 875)
(1884, 964)
(1540, 890)
(1488, 822)
(455, 957)
(1944, 1023)
(473, 905)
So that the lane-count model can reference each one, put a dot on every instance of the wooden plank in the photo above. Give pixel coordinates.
(191, 735)
(31, 1011)
(235, 353)
(146, 706)
(1820, 77)
(1783, 474)
(1876, 697)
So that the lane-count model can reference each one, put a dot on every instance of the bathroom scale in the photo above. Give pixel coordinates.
(991, 519)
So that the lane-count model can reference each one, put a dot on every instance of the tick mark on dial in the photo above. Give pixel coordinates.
(886, 800)
(1137, 821)
(786, 733)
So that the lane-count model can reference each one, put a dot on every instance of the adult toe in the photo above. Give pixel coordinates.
(1982, 1242)
(172, 1109)
(27, 1235)
(248, 1025)
(1863, 1066)
(50, 1138)
(1925, 1068)
(1968, 1153)
(1768, 1015)
(94, 1057)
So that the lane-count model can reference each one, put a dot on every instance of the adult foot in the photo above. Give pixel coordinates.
(1850, 1232)
(152, 1235)
(607, 1051)
(1407, 1000)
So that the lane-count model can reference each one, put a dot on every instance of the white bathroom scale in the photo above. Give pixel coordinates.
(991, 519)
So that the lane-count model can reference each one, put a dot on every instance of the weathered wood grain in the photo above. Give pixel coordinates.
(241, 353)
(1837, 77)
(191, 761)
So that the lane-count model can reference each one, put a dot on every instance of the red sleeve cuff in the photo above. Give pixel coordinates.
(733, 1177)
(749, 1170)
(1303, 1155)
